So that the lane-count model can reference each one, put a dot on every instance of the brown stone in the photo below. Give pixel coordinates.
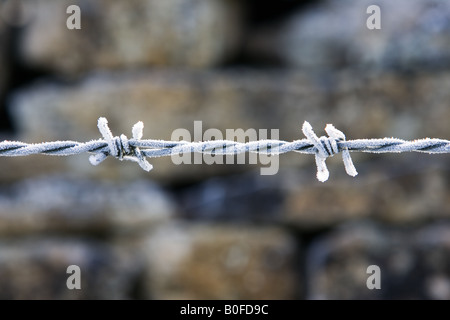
(388, 193)
(221, 262)
(132, 34)
(36, 268)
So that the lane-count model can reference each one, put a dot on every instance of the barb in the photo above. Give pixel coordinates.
(136, 149)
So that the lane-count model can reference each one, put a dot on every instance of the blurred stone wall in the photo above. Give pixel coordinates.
(224, 231)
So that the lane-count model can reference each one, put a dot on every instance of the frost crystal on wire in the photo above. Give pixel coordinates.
(137, 150)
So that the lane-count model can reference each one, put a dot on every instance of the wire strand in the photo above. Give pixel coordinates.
(137, 150)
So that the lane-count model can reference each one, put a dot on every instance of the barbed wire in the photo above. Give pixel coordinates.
(137, 150)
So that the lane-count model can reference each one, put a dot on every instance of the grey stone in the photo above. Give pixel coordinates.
(131, 34)
(57, 204)
(3, 59)
(413, 263)
(412, 189)
(221, 262)
(334, 34)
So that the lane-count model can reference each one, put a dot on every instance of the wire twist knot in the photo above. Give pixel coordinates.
(120, 147)
(328, 147)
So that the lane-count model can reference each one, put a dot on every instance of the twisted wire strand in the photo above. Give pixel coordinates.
(160, 148)
(137, 150)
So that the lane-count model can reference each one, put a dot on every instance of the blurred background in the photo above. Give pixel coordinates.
(224, 231)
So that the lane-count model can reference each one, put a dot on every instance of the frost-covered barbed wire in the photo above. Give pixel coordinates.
(137, 150)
